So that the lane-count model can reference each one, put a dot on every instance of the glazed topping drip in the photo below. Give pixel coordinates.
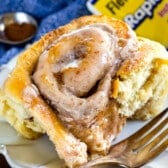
(75, 64)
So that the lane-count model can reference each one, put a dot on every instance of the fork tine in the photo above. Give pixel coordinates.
(153, 153)
(159, 149)
(146, 138)
(155, 142)
(148, 126)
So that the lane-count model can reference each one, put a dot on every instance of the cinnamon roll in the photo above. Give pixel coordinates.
(80, 83)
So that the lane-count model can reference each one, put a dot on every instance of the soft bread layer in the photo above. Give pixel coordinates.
(142, 81)
(156, 92)
(19, 118)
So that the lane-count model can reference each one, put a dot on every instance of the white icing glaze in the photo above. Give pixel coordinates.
(73, 64)
(104, 42)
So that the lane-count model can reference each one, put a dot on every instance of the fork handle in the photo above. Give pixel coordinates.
(105, 163)
(109, 165)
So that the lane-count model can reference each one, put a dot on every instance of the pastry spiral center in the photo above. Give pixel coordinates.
(73, 65)
(84, 59)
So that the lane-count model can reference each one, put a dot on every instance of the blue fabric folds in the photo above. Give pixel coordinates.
(50, 14)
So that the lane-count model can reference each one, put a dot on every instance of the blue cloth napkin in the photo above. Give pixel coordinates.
(50, 14)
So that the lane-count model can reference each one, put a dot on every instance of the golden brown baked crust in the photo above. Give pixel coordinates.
(31, 115)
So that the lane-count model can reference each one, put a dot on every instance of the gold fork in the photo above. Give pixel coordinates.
(139, 148)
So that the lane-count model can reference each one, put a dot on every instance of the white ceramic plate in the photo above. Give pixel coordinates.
(22, 153)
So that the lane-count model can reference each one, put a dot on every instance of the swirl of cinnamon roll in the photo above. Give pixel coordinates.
(77, 85)
(72, 66)
(63, 83)
(75, 75)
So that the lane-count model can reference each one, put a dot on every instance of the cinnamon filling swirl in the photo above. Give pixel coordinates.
(75, 74)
